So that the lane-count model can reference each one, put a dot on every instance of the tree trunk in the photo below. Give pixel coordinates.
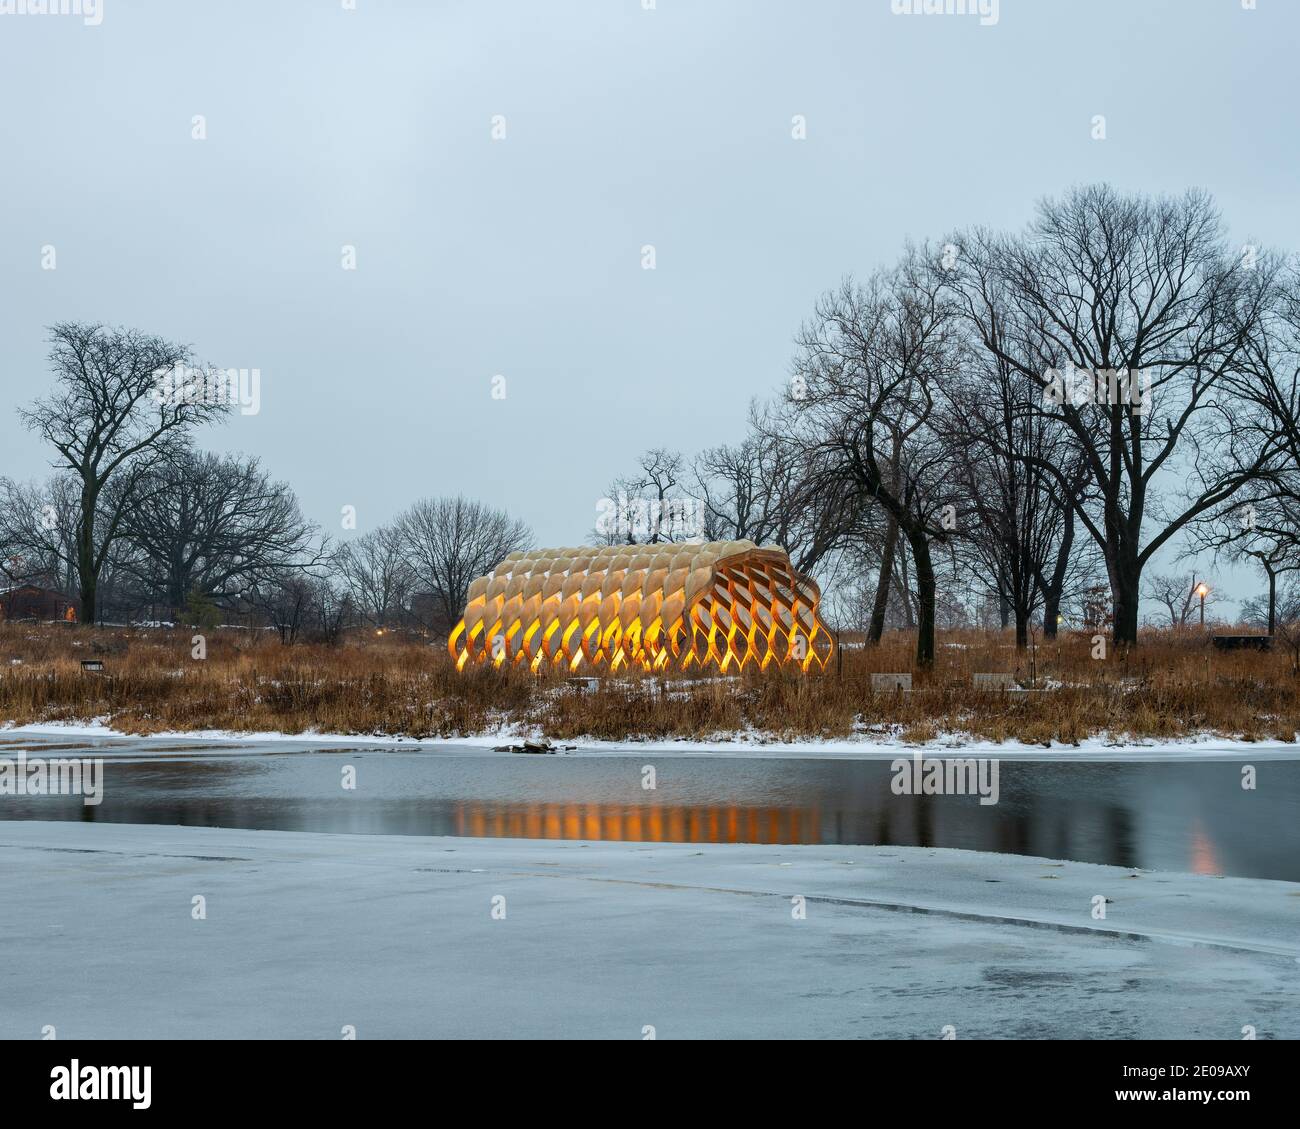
(88, 594)
(1272, 599)
(881, 605)
(176, 598)
(1051, 611)
(1022, 628)
(925, 589)
(1125, 577)
(1055, 586)
(87, 577)
(903, 583)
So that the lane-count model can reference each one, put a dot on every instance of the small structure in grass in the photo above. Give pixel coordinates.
(1243, 642)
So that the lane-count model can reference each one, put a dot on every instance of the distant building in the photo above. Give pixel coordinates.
(31, 601)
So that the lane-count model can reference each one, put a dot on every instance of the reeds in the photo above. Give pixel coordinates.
(1172, 685)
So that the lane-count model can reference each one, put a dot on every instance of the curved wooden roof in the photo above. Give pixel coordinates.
(721, 603)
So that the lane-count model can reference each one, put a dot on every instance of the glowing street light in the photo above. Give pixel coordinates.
(1202, 591)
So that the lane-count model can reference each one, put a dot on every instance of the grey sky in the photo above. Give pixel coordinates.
(522, 257)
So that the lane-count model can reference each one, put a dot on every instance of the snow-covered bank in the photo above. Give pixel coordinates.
(1205, 747)
(305, 934)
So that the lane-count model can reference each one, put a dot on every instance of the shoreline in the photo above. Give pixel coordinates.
(749, 746)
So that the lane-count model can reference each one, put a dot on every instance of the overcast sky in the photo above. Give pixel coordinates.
(522, 256)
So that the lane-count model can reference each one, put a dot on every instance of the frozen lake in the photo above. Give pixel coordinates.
(395, 936)
(1191, 816)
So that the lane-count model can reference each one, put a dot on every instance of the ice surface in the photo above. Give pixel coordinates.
(307, 933)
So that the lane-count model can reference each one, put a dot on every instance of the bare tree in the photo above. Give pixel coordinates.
(1271, 375)
(766, 490)
(1131, 319)
(1288, 624)
(1177, 594)
(38, 525)
(329, 607)
(1262, 526)
(450, 542)
(1261, 523)
(285, 600)
(377, 574)
(1015, 532)
(889, 555)
(651, 504)
(211, 524)
(111, 413)
(870, 365)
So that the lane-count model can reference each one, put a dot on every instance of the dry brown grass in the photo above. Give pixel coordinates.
(1170, 686)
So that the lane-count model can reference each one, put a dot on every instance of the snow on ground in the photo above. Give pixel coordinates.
(751, 745)
(305, 934)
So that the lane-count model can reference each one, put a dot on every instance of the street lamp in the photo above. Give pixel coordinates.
(1202, 591)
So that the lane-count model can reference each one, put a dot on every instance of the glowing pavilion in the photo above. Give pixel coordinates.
(659, 607)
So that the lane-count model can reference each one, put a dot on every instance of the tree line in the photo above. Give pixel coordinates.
(139, 524)
(1000, 425)
(1031, 414)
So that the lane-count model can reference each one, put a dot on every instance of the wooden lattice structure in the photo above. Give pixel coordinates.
(720, 604)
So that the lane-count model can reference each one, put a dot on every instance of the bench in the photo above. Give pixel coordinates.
(1243, 642)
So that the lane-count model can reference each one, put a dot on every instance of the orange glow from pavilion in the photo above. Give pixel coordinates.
(657, 607)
